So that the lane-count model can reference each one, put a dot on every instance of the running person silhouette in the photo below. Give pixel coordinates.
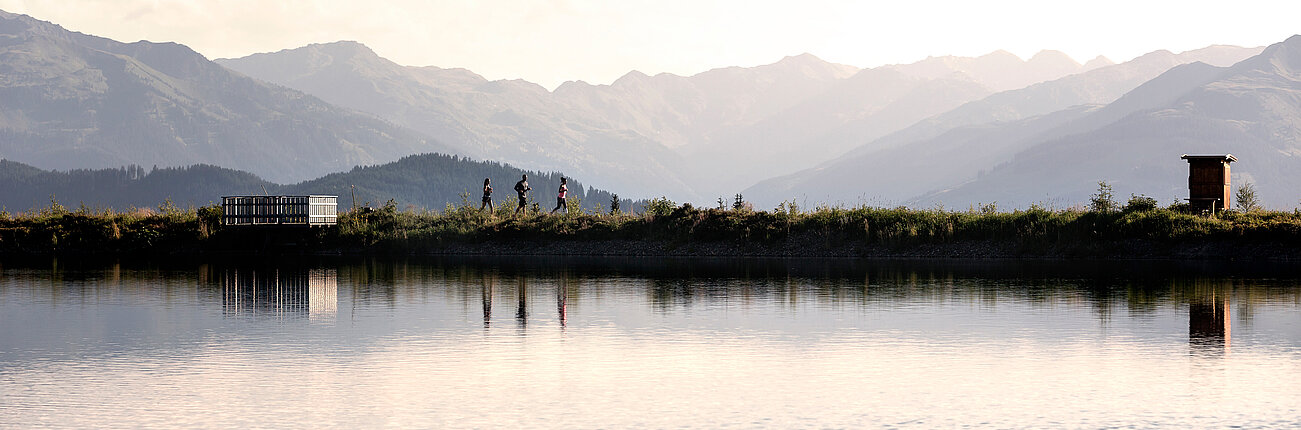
(487, 196)
(560, 197)
(522, 188)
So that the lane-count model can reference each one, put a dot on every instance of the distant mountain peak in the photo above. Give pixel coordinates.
(630, 77)
(999, 55)
(10, 15)
(1160, 53)
(306, 59)
(343, 44)
(343, 49)
(1283, 58)
(1097, 62)
(803, 58)
(1291, 43)
(29, 22)
(1052, 56)
(339, 51)
(572, 86)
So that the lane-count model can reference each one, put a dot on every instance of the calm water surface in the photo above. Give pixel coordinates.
(648, 343)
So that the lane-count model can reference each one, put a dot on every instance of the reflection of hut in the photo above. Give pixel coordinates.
(1208, 181)
(1208, 322)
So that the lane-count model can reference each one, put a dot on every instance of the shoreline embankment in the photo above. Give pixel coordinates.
(675, 231)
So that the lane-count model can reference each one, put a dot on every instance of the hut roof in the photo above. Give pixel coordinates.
(1223, 157)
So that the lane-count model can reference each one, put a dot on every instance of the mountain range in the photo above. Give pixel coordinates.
(70, 100)
(951, 131)
(958, 145)
(662, 134)
(1251, 109)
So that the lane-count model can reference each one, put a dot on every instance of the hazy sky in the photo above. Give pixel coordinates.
(552, 41)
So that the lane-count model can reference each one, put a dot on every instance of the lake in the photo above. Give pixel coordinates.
(617, 343)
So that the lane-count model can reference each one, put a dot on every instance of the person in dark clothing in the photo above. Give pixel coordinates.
(487, 196)
(522, 188)
(560, 197)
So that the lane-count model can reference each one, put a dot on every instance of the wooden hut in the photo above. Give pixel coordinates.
(1208, 181)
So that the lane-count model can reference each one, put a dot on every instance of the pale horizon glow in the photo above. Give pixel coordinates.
(550, 42)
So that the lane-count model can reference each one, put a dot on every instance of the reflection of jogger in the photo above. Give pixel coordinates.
(562, 298)
(560, 197)
(521, 309)
(522, 188)
(487, 301)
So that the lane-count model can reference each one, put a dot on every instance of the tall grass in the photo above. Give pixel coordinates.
(85, 230)
(388, 229)
(1033, 230)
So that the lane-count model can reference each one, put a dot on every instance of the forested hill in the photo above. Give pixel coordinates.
(434, 180)
(24, 187)
(419, 181)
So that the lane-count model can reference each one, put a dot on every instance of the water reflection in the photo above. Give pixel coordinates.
(1209, 322)
(489, 284)
(521, 307)
(776, 343)
(487, 291)
(562, 300)
(280, 292)
(318, 289)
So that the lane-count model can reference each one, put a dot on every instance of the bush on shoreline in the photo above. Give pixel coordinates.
(169, 229)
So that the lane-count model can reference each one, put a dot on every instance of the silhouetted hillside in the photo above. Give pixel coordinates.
(429, 181)
(434, 180)
(24, 187)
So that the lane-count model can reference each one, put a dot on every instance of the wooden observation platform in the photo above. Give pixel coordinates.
(287, 211)
(1208, 181)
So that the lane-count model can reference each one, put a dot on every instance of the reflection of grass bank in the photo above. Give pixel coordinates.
(683, 230)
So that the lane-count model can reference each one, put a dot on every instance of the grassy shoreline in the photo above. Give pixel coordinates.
(669, 229)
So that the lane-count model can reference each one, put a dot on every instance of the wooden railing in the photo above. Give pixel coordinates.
(279, 210)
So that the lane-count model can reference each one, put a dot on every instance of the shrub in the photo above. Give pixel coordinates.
(1179, 206)
(788, 207)
(1140, 203)
(55, 208)
(660, 206)
(209, 218)
(1247, 199)
(1103, 200)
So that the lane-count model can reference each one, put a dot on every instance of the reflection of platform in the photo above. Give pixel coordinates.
(322, 293)
(280, 292)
